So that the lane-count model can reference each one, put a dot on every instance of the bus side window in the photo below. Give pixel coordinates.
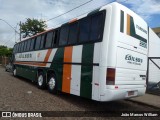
(73, 33)
(96, 27)
(84, 29)
(38, 41)
(25, 46)
(63, 35)
(28, 44)
(18, 50)
(49, 39)
(42, 41)
(14, 49)
(55, 38)
(22, 46)
(32, 44)
(19, 47)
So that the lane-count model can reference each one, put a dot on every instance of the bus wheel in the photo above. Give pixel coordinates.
(52, 84)
(41, 82)
(14, 72)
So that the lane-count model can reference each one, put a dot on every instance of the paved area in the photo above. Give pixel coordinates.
(18, 94)
(149, 99)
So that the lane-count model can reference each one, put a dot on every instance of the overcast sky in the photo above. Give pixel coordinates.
(14, 11)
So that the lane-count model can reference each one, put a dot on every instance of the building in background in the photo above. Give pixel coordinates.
(157, 31)
(153, 76)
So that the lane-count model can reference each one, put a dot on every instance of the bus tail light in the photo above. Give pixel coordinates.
(110, 76)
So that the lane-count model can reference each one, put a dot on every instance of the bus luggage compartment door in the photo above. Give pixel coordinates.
(131, 67)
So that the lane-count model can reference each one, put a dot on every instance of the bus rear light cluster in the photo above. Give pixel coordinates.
(110, 76)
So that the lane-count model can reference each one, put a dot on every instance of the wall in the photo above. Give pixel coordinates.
(154, 51)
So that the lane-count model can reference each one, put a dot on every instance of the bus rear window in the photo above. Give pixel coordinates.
(96, 27)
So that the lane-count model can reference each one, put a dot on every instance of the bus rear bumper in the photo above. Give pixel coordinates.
(118, 94)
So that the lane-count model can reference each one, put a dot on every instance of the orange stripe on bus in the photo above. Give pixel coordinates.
(48, 54)
(67, 69)
(128, 24)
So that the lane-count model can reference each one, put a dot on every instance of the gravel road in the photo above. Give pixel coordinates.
(18, 94)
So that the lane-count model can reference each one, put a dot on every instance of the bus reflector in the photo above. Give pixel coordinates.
(110, 76)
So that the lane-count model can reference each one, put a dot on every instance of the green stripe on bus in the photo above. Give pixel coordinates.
(58, 68)
(133, 31)
(87, 71)
(27, 72)
(122, 22)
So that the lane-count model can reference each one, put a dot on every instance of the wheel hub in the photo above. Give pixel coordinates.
(52, 83)
(40, 80)
(14, 72)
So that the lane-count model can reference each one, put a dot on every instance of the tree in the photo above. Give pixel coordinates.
(4, 51)
(32, 27)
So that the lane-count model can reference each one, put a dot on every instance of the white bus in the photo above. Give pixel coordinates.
(101, 55)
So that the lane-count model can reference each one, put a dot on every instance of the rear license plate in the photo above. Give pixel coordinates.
(130, 93)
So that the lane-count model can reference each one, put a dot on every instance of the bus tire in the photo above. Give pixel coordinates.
(14, 72)
(52, 84)
(41, 81)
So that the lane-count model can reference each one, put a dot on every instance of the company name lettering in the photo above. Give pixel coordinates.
(133, 59)
(28, 55)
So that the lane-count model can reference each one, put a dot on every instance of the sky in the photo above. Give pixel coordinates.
(14, 11)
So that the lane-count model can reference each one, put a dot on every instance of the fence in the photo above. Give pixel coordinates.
(153, 75)
(4, 60)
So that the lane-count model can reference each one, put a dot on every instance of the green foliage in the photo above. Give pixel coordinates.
(32, 27)
(4, 51)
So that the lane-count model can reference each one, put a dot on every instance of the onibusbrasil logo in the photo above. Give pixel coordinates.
(21, 114)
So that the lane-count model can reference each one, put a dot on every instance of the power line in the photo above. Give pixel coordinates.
(9, 25)
(9, 44)
(9, 40)
(68, 11)
(76, 16)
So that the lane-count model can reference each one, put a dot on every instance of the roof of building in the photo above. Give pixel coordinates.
(156, 30)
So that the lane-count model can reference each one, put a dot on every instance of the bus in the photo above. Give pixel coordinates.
(101, 55)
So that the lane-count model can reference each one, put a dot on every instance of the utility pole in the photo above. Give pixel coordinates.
(15, 32)
(15, 37)
(20, 29)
